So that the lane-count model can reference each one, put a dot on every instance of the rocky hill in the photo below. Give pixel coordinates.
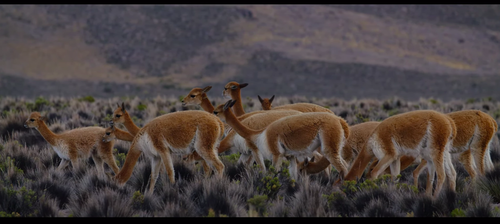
(346, 51)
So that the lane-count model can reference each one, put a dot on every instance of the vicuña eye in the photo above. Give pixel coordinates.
(192, 96)
(118, 115)
(32, 119)
(107, 133)
(215, 112)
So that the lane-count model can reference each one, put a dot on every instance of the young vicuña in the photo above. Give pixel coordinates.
(75, 144)
(180, 132)
(292, 136)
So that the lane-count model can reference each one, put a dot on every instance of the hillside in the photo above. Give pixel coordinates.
(346, 51)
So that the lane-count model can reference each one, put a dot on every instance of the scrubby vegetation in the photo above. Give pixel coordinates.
(31, 186)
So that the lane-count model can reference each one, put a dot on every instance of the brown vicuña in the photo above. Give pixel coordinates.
(239, 144)
(198, 96)
(292, 136)
(232, 90)
(475, 132)
(178, 132)
(266, 103)
(358, 135)
(425, 134)
(75, 144)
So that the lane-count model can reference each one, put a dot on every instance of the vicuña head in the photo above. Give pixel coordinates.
(233, 90)
(180, 132)
(266, 103)
(292, 136)
(121, 116)
(79, 143)
(198, 96)
(112, 133)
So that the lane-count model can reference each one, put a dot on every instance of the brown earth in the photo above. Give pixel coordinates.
(345, 51)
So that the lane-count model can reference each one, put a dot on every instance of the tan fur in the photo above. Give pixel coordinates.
(292, 136)
(303, 107)
(79, 143)
(266, 102)
(256, 121)
(179, 132)
(475, 132)
(233, 90)
(424, 133)
(121, 116)
(358, 135)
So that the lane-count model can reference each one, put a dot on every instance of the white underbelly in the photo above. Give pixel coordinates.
(62, 151)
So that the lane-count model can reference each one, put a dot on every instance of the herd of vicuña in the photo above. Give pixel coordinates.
(309, 136)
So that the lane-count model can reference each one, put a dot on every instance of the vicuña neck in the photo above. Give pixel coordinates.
(207, 105)
(47, 134)
(238, 107)
(359, 164)
(123, 135)
(131, 127)
(238, 127)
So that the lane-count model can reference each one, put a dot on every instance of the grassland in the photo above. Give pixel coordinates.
(31, 186)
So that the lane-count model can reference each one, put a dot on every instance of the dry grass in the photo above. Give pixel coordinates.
(31, 186)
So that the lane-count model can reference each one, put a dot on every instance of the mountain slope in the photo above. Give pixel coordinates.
(375, 51)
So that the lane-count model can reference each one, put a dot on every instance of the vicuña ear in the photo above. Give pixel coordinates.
(271, 99)
(306, 161)
(260, 99)
(226, 105)
(242, 85)
(232, 103)
(123, 106)
(206, 89)
(312, 159)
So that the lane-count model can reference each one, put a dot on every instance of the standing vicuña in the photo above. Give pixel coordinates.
(475, 131)
(235, 141)
(180, 132)
(292, 136)
(75, 144)
(423, 134)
